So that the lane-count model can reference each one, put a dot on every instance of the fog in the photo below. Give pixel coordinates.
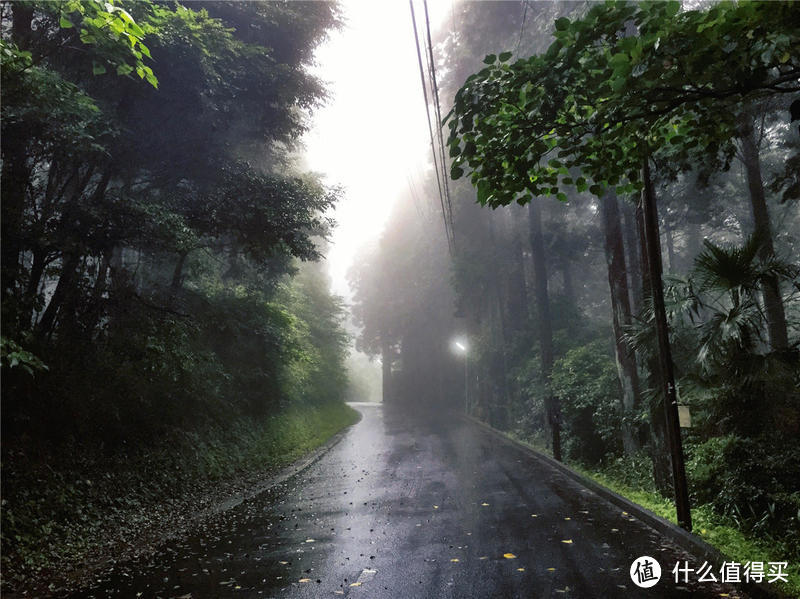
(294, 303)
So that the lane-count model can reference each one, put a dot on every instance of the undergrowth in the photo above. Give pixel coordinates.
(61, 510)
(716, 530)
(632, 478)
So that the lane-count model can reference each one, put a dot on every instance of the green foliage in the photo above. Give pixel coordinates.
(151, 232)
(621, 84)
(14, 356)
(719, 531)
(115, 37)
(598, 99)
(585, 380)
(63, 117)
(754, 481)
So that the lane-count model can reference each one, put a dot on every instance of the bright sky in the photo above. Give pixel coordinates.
(372, 135)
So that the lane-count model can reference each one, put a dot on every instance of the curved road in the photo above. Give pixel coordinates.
(409, 507)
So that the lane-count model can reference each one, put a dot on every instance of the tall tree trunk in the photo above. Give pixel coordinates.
(670, 399)
(773, 303)
(694, 241)
(63, 288)
(177, 273)
(543, 322)
(100, 287)
(633, 263)
(621, 316)
(658, 443)
(500, 372)
(386, 370)
(16, 171)
(670, 243)
(518, 292)
(568, 283)
(67, 282)
(38, 264)
(647, 283)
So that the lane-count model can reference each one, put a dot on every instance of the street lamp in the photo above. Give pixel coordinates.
(461, 346)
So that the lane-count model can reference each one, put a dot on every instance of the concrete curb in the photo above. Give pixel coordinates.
(686, 540)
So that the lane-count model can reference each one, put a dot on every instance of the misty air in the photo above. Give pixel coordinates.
(400, 299)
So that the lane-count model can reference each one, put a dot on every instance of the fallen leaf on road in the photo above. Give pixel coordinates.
(509, 556)
(304, 580)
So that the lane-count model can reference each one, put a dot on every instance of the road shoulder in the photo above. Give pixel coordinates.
(684, 539)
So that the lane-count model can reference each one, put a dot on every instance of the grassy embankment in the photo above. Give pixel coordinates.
(73, 509)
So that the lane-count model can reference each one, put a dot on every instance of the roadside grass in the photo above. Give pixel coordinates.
(716, 530)
(246, 445)
(71, 507)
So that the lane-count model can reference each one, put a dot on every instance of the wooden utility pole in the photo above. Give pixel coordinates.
(673, 431)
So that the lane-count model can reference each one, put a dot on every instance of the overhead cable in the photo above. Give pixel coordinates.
(435, 94)
(439, 176)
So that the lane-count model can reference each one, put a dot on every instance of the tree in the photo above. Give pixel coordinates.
(627, 370)
(126, 194)
(602, 101)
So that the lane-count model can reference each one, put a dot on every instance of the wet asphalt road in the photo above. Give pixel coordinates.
(409, 507)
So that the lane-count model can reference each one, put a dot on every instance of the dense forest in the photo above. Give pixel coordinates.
(600, 261)
(639, 258)
(164, 320)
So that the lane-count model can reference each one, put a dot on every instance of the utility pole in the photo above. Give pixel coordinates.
(466, 383)
(461, 346)
(653, 247)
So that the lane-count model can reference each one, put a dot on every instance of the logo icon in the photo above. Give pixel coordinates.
(645, 571)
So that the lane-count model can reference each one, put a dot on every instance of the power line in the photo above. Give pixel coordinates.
(414, 197)
(447, 221)
(435, 88)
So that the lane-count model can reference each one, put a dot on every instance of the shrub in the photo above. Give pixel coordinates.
(585, 380)
(756, 482)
